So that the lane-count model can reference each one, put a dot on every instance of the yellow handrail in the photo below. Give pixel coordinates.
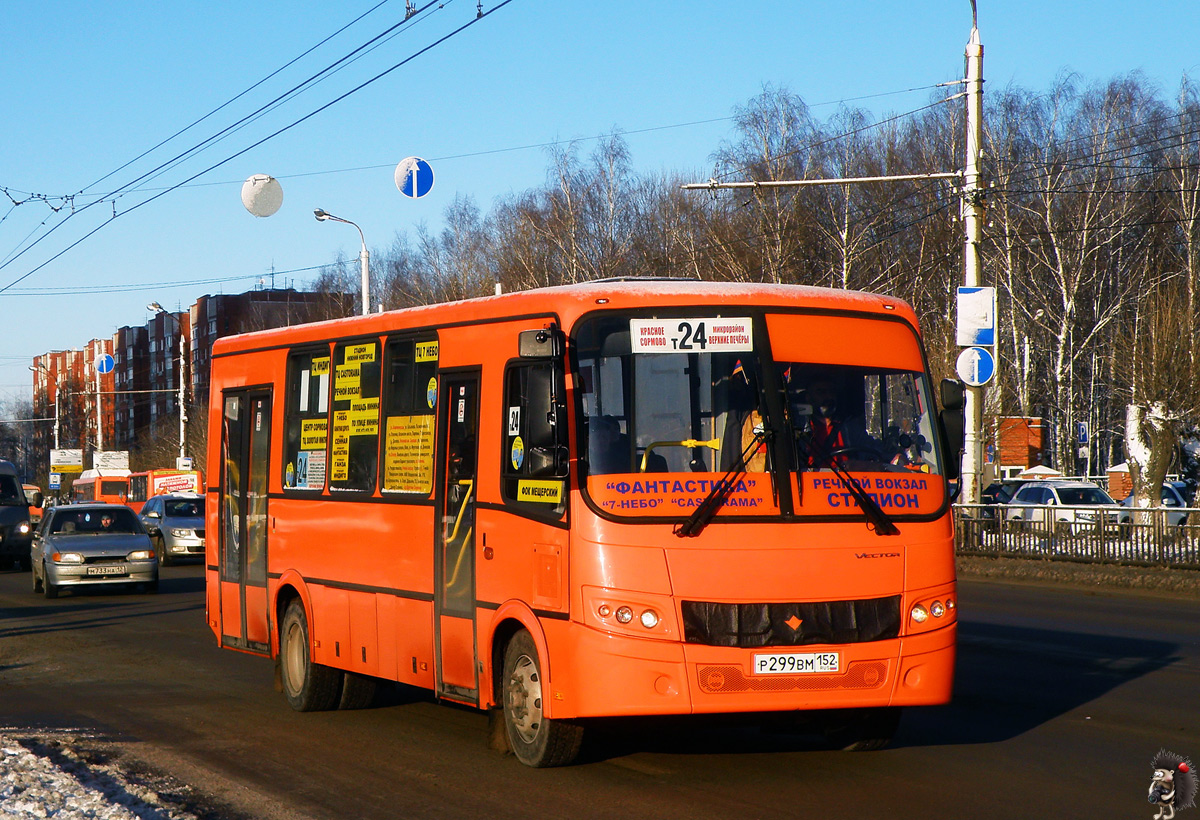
(470, 485)
(712, 443)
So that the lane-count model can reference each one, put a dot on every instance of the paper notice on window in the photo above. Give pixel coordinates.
(408, 454)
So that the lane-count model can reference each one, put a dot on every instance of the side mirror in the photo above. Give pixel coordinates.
(38, 500)
(543, 343)
(548, 461)
(953, 425)
(952, 394)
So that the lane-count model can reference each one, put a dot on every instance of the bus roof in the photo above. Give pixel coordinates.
(569, 302)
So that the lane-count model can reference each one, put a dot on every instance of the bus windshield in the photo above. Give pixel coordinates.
(671, 406)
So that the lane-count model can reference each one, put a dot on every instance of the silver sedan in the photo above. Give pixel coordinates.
(86, 544)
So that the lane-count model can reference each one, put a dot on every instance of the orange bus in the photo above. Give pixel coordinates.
(150, 483)
(615, 498)
(93, 485)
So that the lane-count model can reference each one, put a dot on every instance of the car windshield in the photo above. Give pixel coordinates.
(1075, 496)
(11, 493)
(95, 522)
(190, 508)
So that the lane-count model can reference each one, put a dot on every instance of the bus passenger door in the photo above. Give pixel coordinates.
(242, 537)
(454, 559)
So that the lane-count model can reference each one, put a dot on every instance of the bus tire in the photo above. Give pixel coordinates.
(536, 740)
(861, 730)
(358, 691)
(308, 686)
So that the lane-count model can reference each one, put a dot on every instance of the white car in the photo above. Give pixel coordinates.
(1075, 505)
(1172, 500)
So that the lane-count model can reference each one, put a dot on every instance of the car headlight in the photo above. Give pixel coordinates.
(67, 558)
(182, 533)
(24, 528)
(141, 555)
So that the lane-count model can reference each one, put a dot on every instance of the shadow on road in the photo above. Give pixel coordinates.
(1013, 679)
(1009, 681)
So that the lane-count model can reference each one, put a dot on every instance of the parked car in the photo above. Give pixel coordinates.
(1074, 505)
(175, 522)
(998, 493)
(91, 544)
(1172, 499)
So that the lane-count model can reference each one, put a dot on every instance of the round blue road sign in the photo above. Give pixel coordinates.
(976, 366)
(414, 177)
(104, 363)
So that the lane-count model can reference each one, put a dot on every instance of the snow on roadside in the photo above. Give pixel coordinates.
(34, 786)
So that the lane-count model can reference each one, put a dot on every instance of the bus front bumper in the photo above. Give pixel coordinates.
(613, 675)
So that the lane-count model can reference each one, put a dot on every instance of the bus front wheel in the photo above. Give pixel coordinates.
(308, 686)
(536, 740)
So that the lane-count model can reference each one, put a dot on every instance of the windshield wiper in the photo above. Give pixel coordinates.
(877, 519)
(695, 523)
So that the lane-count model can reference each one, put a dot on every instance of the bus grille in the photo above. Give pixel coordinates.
(751, 626)
(726, 678)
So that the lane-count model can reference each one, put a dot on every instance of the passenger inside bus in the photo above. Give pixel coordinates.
(827, 429)
(745, 431)
(608, 447)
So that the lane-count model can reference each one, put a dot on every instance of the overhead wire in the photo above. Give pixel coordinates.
(482, 15)
(192, 151)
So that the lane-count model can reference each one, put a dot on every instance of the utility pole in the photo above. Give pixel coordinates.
(972, 215)
(972, 205)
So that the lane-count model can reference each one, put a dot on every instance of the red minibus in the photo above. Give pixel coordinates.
(646, 497)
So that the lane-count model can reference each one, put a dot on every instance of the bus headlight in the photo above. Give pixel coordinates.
(931, 609)
(636, 614)
(24, 528)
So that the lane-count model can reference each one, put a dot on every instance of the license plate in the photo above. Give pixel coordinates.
(114, 569)
(797, 663)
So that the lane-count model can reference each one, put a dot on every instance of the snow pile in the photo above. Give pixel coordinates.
(32, 786)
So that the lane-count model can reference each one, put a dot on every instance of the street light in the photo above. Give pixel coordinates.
(57, 390)
(157, 308)
(364, 256)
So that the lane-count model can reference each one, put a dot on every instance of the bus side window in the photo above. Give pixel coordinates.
(354, 442)
(534, 455)
(306, 420)
(410, 388)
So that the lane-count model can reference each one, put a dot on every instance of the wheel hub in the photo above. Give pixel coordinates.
(524, 698)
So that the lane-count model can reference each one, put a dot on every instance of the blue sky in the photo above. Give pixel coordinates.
(90, 87)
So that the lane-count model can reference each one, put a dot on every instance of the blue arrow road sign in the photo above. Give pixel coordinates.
(976, 366)
(414, 177)
(104, 363)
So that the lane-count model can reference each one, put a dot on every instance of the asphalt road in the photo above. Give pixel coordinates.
(1062, 697)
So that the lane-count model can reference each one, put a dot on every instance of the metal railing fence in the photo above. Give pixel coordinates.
(1150, 537)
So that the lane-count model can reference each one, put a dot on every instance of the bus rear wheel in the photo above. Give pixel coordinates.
(308, 686)
(536, 740)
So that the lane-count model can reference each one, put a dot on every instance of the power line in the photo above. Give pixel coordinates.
(112, 288)
(127, 187)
